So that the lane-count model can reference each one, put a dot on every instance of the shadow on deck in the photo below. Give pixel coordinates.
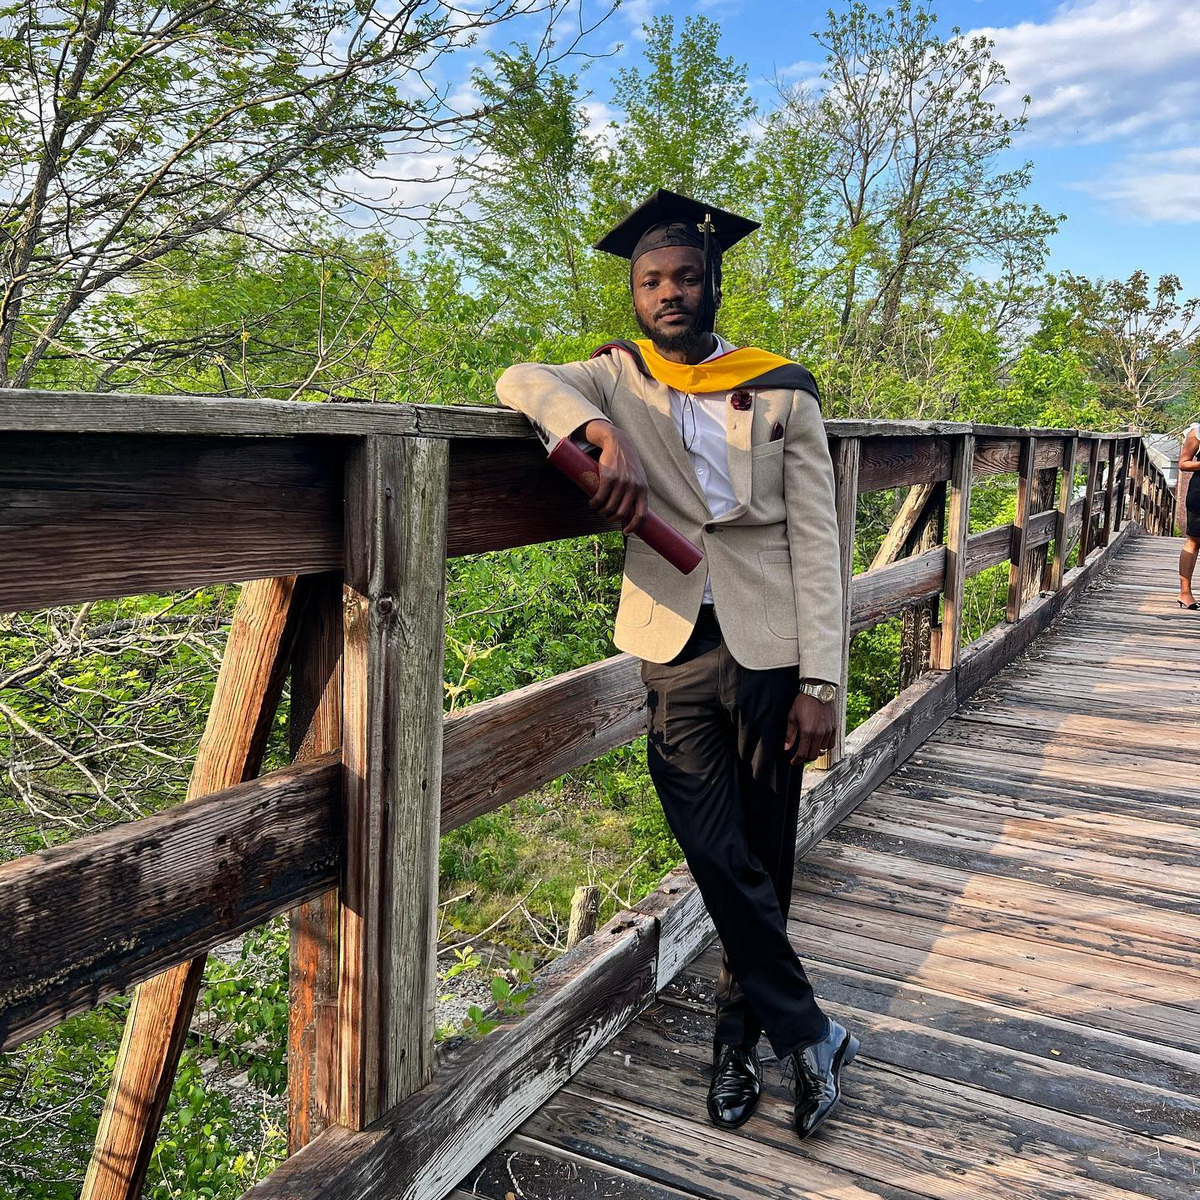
(1010, 923)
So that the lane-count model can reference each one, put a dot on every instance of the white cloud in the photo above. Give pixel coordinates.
(1158, 186)
(1103, 69)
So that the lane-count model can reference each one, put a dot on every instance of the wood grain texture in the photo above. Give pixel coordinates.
(315, 728)
(90, 919)
(253, 668)
(484, 1089)
(958, 523)
(1086, 534)
(880, 594)
(1026, 483)
(502, 748)
(506, 494)
(888, 462)
(1057, 566)
(919, 623)
(396, 491)
(902, 524)
(85, 518)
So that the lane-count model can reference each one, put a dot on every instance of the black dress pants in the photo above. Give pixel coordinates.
(714, 746)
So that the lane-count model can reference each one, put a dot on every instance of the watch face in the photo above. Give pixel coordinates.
(824, 692)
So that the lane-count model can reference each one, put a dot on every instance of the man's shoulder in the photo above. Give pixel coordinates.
(619, 346)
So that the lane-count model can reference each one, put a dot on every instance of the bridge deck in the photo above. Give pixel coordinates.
(1011, 923)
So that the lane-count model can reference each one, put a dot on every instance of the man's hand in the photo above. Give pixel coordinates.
(622, 491)
(810, 728)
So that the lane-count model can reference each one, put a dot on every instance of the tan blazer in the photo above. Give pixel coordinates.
(773, 560)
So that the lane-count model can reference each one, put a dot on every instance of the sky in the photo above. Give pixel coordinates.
(1114, 119)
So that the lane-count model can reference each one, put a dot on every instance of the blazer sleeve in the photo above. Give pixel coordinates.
(559, 399)
(812, 532)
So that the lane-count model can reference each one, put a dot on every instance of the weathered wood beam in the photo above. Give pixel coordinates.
(1057, 566)
(1089, 502)
(957, 533)
(396, 494)
(892, 546)
(315, 728)
(248, 687)
(501, 748)
(880, 594)
(1020, 535)
(87, 518)
(484, 1090)
(98, 915)
(918, 623)
(889, 462)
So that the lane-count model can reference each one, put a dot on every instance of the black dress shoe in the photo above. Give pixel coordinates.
(816, 1074)
(736, 1084)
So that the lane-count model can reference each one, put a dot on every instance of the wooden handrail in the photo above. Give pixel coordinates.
(100, 498)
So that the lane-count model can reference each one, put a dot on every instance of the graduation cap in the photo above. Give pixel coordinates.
(669, 219)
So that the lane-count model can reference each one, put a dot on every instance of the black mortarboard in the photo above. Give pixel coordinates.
(669, 219)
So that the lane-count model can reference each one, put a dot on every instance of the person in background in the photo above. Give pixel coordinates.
(1189, 469)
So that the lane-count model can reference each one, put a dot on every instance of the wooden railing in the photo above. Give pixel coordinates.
(343, 516)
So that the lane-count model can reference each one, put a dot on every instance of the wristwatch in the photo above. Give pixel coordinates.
(818, 689)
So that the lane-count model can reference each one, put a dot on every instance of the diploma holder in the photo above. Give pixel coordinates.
(583, 471)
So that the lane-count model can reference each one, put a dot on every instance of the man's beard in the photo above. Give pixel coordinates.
(683, 339)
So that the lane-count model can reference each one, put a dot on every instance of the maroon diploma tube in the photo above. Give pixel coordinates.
(582, 470)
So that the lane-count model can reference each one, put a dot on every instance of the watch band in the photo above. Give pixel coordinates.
(820, 690)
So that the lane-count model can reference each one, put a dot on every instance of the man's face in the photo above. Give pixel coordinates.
(668, 288)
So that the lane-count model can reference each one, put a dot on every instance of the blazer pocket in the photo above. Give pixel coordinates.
(635, 606)
(779, 592)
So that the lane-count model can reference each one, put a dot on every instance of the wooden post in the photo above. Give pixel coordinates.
(1121, 474)
(396, 502)
(1020, 533)
(846, 454)
(1037, 560)
(919, 624)
(1086, 539)
(1110, 462)
(243, 706)
(905, 520)
(1066, 488)
(316, 728)
(958, 527)
(585, 911)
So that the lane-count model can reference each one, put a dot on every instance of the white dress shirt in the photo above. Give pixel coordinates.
(701, 424)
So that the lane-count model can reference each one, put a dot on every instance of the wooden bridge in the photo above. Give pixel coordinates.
(998, 887)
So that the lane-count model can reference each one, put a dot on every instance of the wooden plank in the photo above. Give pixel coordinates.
(845, 464)
(998, 647)
(1020, 538)
(877, 595)
(248, 687)
(1089, 502)
(906, 517)
(85, 518)
(1001, 455)
(90, 919)
(502, 748)
(888, 462)
(958, 528)
(396, 492)
(989, 548)
(1054, 573)
(315, 728)
(919, 623)
(506, 494)
(484, 1089)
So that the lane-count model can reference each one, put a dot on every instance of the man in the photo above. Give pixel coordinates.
(741, 657)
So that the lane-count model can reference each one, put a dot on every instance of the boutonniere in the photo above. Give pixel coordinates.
(741, 400)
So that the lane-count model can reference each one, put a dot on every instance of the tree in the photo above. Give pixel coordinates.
(525, 237)
(133, 132)
(1142, 348)
(915, 137)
